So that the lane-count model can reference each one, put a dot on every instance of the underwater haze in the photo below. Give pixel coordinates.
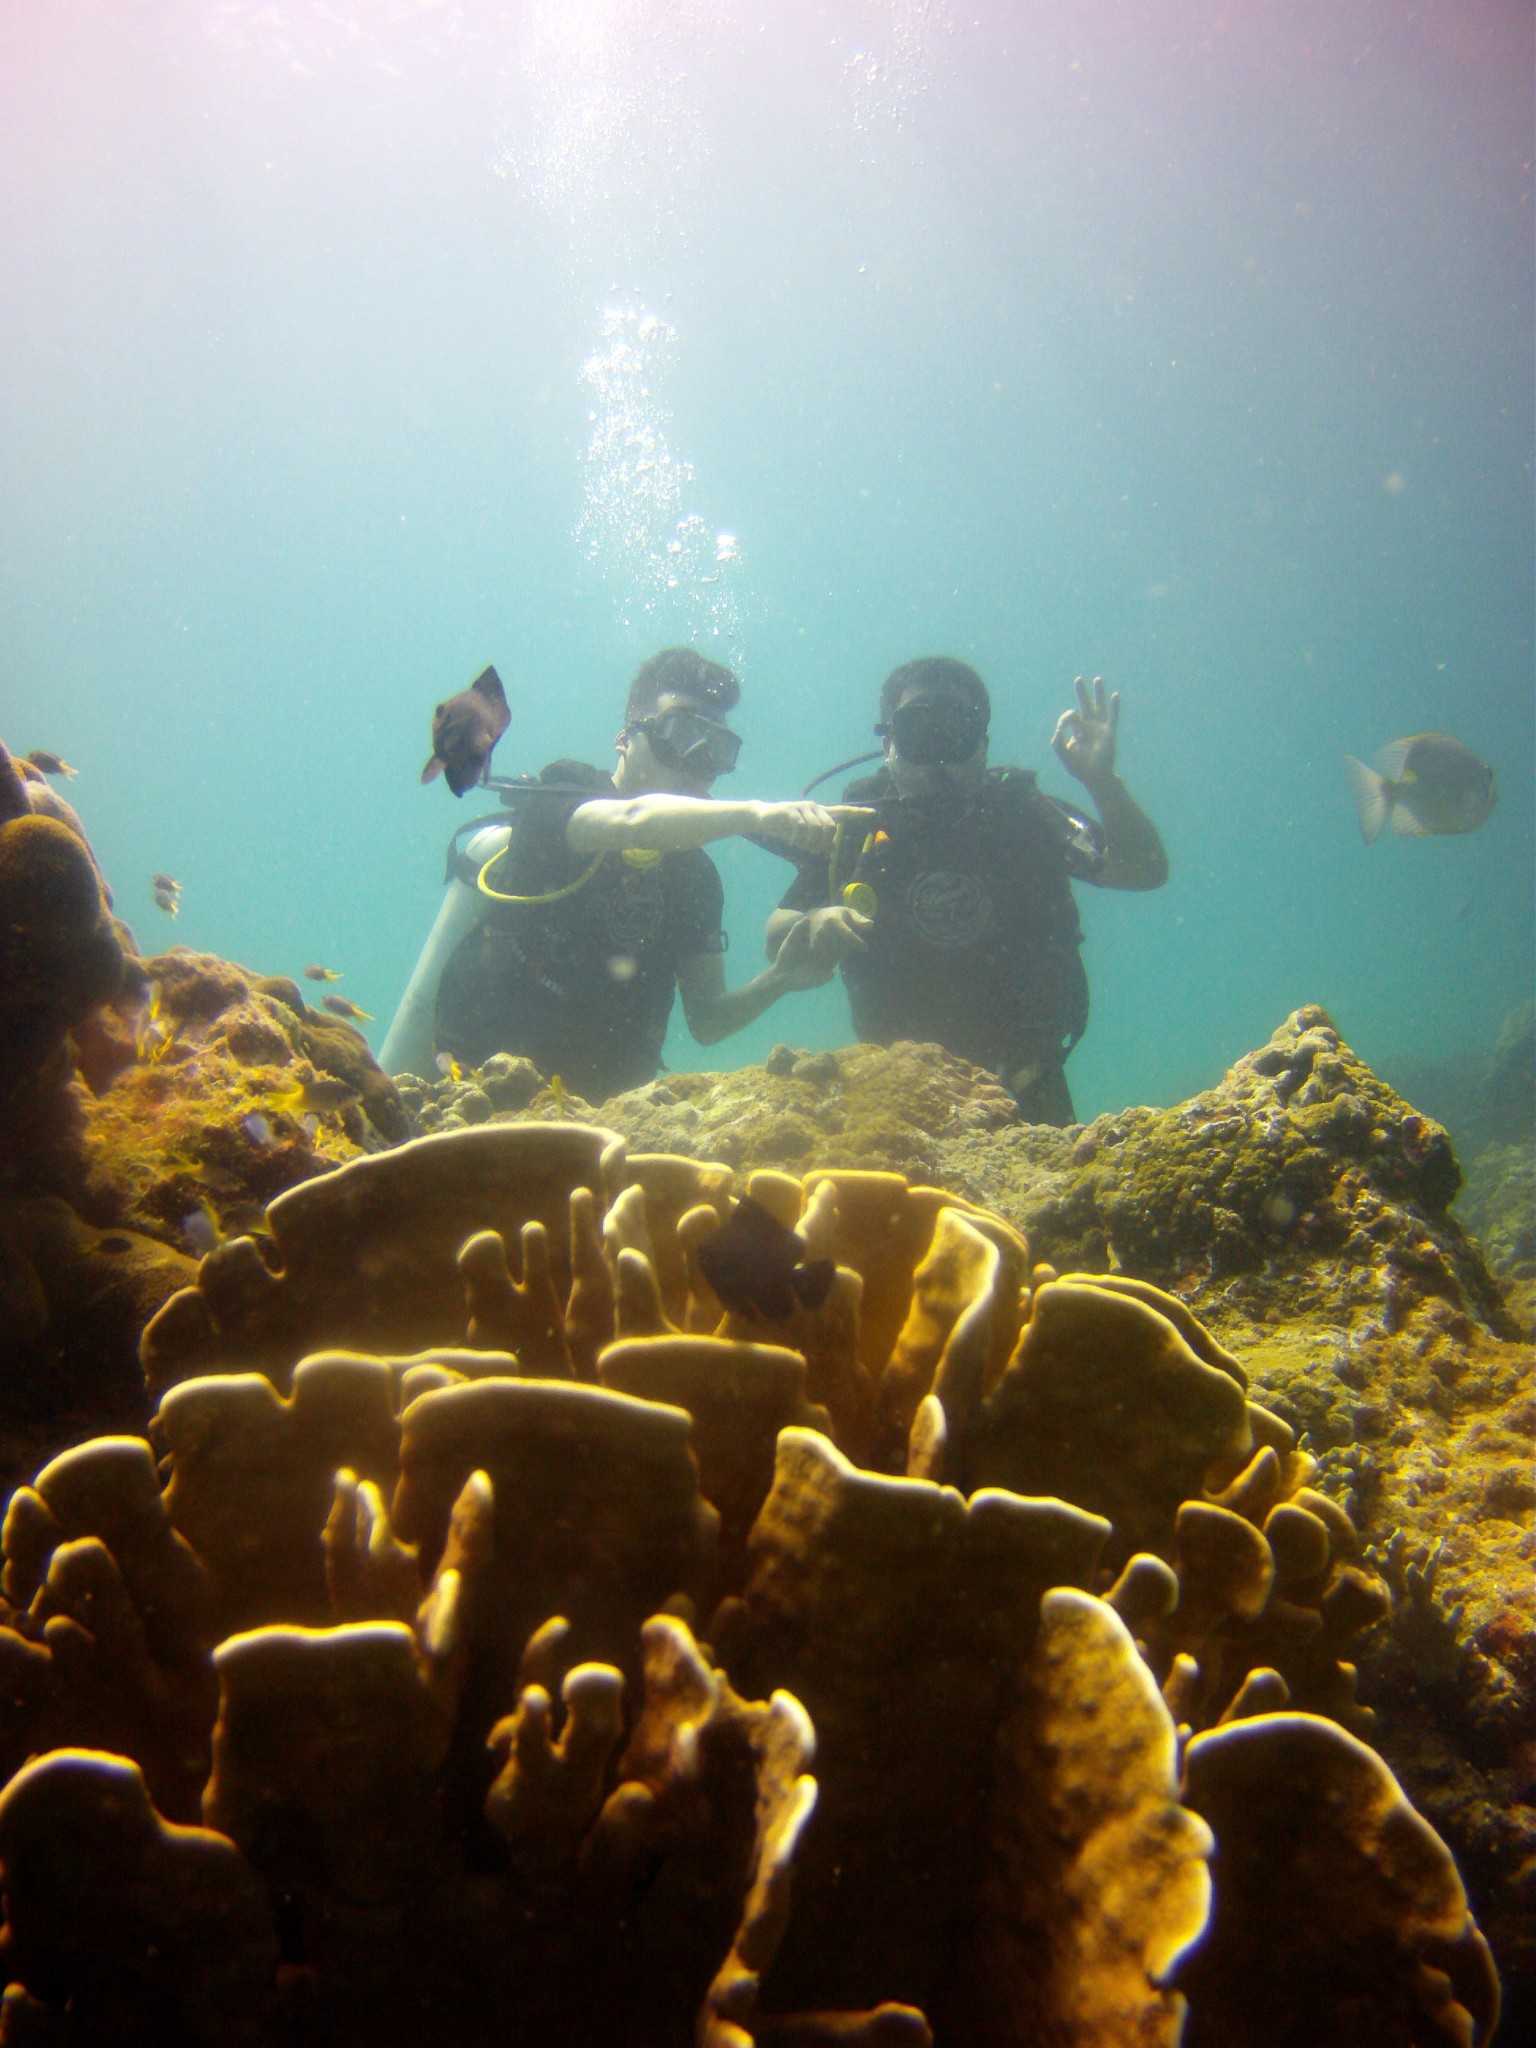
(349, 345)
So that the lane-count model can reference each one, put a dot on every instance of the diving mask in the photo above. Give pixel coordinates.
(700, 747)
(935, 732)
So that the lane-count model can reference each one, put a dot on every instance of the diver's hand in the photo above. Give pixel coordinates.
(835, 933)
(807, 827)
(796, 964)
(1084, 739)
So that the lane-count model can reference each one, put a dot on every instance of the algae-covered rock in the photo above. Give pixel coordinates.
(195, 1117)
(1300, 1184)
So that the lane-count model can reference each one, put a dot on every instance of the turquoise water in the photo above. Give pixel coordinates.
(1184, 343)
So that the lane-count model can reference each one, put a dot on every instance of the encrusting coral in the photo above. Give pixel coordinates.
(602, 1671)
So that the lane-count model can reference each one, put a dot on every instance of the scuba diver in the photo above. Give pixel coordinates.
(951, 913)
(567, 927)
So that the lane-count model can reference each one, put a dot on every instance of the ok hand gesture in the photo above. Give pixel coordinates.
(1084, 739)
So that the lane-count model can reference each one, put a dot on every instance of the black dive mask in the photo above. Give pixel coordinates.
(700, 747)
(935, 732)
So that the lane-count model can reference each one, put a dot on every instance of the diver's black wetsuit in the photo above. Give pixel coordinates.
(976, 939)
(581, 985)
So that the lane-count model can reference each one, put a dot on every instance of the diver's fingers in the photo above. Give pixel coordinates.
(1114, 712)
(1084, 696)
(849, 814)
(800, 823)
(1099, 710)
(1068, 728)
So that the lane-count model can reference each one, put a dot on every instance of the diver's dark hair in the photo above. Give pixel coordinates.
(680, 672)
(934, 673)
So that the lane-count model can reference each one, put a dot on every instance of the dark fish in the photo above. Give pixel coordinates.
(49, 764)
(465, 729)
(169, 901)
(343, 1006)
(165, 882)
(1423, 786)
(759, 1268)
(318, 973)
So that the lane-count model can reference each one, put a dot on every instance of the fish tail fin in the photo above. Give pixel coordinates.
(1373, 798)
(433, 769)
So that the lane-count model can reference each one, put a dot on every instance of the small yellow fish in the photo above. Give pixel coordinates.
(557, 1089)
(316, 972)
(47, 763)
(343, 1006)
(448, 1067)
(323, 1096)
(154, 1037)
(167, 1037)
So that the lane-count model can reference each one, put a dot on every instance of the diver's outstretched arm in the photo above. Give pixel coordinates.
(408, 1047)
(663, 822)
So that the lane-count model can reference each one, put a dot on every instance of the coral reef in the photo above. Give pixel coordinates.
(195, 1116)
(1300, 1186)
(473, 1631)
(1304, 1211)
(140, 1122)
(638, 1679)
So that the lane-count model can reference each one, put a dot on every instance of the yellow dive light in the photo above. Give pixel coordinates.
(861, 897)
